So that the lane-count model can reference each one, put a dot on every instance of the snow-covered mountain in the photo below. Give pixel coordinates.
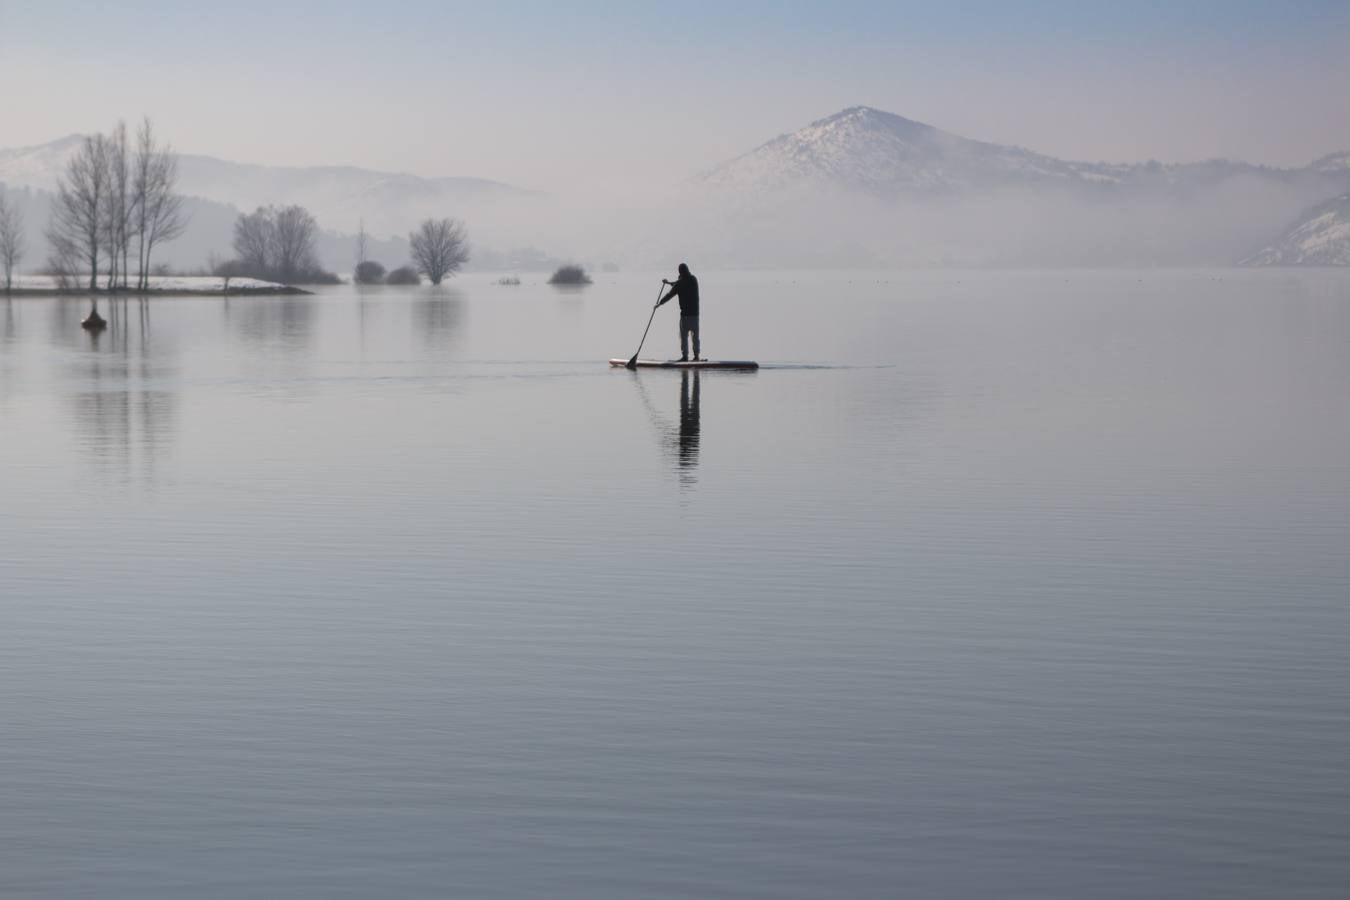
(339, 196)
(869, 151)
(870, 187)
(38, 166)
(862, 187)
(1333, 163)
(1320, 237)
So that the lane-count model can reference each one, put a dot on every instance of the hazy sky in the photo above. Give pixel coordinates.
(558, 95)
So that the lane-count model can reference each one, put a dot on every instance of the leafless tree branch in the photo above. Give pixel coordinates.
(11, 240)
(77, 225)
(439, 248)
(158, 208)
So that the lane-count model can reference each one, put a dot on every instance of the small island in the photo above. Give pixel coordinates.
(156, 286)
(570, 275)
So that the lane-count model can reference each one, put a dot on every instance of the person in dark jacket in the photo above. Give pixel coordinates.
(686, 288)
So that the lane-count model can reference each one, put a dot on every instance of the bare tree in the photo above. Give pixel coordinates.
(230, 268)
(64, 262)
(80, 206)
(117, 211)
(439, 248)
(278, 244)
(253, 240)
(11, 239)
(294, 232)
(157, 208)
(361, 242)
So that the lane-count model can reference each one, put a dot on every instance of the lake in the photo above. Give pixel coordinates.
(994, 584)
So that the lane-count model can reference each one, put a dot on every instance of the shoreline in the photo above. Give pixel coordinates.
(158, 286)
(278, 291)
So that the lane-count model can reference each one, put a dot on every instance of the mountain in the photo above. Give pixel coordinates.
(339, 196)
(866, 149)
(862, 187)
(1333, 163)
(879, 153)
(867, 187)
(1320, 237)
(38, 166)
(342, 198)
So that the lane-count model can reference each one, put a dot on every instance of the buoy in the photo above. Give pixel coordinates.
(93, 321)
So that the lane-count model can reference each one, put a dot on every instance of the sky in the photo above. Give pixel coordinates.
(574, 96)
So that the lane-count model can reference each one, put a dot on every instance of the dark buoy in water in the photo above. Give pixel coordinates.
(93, 321)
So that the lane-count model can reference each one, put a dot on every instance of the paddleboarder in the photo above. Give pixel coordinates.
(686, 288)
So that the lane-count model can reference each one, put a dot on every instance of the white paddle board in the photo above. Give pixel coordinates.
(691, 364)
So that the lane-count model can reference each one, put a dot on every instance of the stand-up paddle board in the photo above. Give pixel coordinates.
(691, 364)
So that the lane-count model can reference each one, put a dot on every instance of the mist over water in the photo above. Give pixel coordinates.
(862, 188)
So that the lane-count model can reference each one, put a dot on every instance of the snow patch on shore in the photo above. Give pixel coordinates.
(188, 284)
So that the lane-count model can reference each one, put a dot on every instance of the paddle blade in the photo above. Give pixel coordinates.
(632, 363)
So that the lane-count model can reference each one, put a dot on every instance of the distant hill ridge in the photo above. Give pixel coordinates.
(860, 187)
(872, 187)
(1320, 237)
(339, 196)
(870, 150)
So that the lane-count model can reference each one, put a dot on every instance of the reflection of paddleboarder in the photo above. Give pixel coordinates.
(679, 441)
(686, 288)
(689, 414)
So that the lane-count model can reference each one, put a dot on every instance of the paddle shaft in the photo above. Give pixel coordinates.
(632, 363)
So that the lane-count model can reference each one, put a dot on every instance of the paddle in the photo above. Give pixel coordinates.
(632, 363)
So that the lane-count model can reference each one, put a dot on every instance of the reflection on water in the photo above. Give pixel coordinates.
(63, 321)
(362, 307)
(10, 331)
(123, 420)
(437, 320)
(287, 321)
(679, 437)
(405, 621)
(687, 439)
(9, 342)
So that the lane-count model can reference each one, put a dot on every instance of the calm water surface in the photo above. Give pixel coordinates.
(987, 585)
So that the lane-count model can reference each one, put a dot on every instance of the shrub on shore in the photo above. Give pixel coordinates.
(403, 275)
(570, 275)
(369, 272)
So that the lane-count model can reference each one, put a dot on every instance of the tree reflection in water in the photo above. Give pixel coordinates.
(286, 322)
(124, 418)
(438, 319)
